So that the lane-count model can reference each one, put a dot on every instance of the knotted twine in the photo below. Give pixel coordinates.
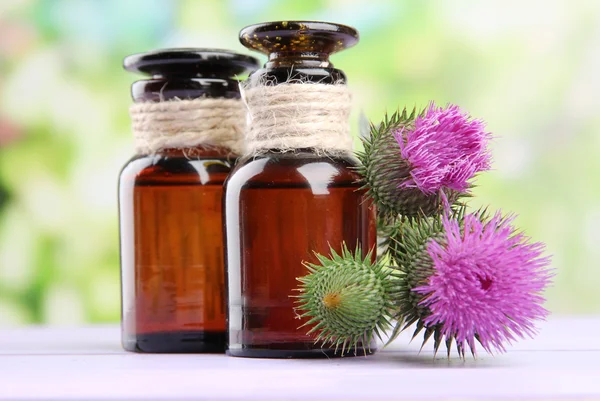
(290, 116)
(188, 123)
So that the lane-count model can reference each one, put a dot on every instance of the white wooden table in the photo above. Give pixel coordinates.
(88, 363)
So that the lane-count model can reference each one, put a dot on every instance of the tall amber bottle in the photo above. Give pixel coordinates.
(170, 200)
(282, 205)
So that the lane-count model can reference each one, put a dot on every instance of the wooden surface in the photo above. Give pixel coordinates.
(563, 362)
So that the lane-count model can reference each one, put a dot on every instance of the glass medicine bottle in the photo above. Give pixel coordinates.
(170, 198)
(287, 201)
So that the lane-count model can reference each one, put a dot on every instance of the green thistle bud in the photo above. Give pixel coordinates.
(384, 171)
(407, 247)
(347, 298)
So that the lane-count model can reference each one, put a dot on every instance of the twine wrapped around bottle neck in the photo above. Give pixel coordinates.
(179, 124)
(291, 116)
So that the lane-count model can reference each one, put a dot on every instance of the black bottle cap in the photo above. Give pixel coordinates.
(191, 62)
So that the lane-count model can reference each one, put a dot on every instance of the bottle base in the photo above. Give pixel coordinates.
(176, 342)
(315, 353)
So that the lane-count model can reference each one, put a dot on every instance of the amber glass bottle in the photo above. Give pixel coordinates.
(170, 200)
(280, 207)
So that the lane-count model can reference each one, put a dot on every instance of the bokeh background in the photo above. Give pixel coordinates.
(529, 68)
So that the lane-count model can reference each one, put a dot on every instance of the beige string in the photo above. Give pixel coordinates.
(188, 123)
(291, 116)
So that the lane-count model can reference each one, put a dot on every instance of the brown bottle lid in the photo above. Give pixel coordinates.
(298, 42)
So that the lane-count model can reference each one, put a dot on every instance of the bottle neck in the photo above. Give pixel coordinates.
(291, 59)
(300, 74)
(159, 89)
(180, 113)
(297, 109)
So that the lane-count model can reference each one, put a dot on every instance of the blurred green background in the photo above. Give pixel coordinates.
(529, 68)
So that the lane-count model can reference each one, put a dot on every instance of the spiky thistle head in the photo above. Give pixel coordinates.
(468, 278)
(347, 298)
(413, 163)
(445, 149)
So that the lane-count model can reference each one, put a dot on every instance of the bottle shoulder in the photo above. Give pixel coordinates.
(165, 168)
(299, 169)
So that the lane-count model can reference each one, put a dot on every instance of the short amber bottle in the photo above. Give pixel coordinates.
(281, 207)
(172, 269)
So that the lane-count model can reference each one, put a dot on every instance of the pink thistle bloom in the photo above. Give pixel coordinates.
(445, 149)
(487, 283)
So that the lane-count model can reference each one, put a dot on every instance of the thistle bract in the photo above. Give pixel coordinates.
(347, 298)
(468, 278)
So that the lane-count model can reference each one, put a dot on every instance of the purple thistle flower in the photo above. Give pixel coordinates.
(445, 149)
(486, 284)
